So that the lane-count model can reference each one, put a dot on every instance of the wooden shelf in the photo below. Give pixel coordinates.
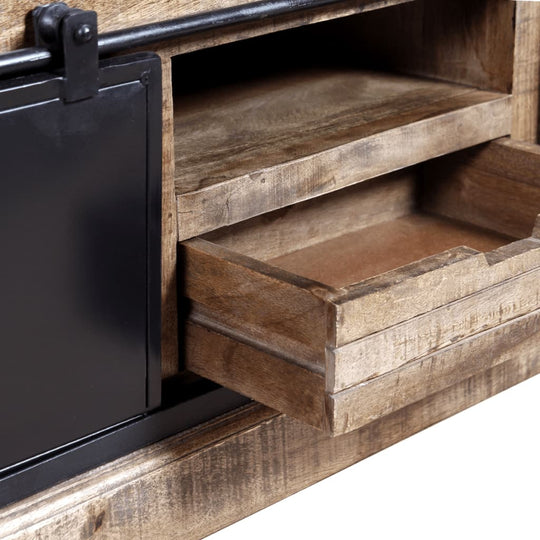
(245, 149)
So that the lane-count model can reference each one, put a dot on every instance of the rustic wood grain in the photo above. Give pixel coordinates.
(361, 404)
(242, 151)
(263, 376)
(436, 302)
(391, 348)
(302, 225)
(213, 352)
(266, 303)
(126, 13)
(362, 309)
(496, 186)
(296, 315)
(169, 314)
(262, 365)
(526, 85)
(196, 483)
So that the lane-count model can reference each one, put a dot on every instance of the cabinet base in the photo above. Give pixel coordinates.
(197, 482)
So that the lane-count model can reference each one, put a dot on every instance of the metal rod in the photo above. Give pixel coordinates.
(24, 60)
(113, 42)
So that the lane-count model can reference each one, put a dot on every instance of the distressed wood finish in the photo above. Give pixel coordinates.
(360, 405)
(320, 219)
(169, 315)
(277, 335)
(243, 151)
(196, 483)
(300, 393)
(496, 186)
(415, 338)
(297, 316)
(526, 85)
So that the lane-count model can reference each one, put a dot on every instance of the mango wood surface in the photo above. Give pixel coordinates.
(361, 254)
(247, 149)
(317, 220)
(198, 482)
(386, 350)
(496, 186)
(169, 315)
(300, 393)
(526, 81)
(361, 404)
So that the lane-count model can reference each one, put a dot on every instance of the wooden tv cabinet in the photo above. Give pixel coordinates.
(350, 202)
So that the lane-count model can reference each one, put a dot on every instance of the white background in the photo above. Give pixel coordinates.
(473, 476)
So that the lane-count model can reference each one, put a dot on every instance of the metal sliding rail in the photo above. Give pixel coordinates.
(35, 58)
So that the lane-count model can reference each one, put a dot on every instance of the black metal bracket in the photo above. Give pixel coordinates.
(71, 37)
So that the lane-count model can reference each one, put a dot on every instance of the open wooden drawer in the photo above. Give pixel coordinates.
(345, 308)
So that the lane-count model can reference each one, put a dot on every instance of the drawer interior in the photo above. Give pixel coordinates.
(383, 247)
(271, 121)
(358, 233)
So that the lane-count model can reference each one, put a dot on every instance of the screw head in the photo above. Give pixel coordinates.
(84, 33)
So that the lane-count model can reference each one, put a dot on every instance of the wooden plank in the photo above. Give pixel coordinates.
(505, 158)
(391, 348)
(263, 302)
(526, 86)
(364, 403)
(243, 366)
(196, 483)
(169, 315)
(496, 186)
(126, 13)
(255, 373)
(280, 141)
(314, 221)
(363, 309)
(222, 130)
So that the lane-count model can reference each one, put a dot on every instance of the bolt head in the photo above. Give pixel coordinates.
(84, 33)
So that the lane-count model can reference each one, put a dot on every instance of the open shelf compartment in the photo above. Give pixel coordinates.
(275, 120)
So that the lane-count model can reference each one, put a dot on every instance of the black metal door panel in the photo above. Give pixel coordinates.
(79, 259)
